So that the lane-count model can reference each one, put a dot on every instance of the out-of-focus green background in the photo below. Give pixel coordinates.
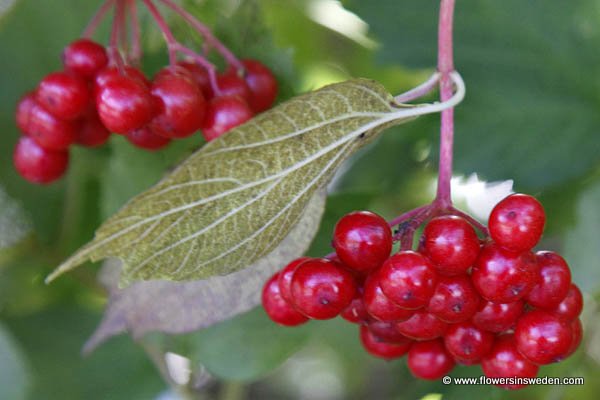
(532, 114)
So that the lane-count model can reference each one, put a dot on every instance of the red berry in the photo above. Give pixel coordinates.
(285, 278)
(200, 76)
(498, 317)
(429, 360)
(570, 307)
(145, 138)
(408, 279)
(542, 337)
(84, 57)
(262, 84)
(380, 348)
(577, 331)
(356, 312)
(504, 361)
(110, 73)
(378, 305)
(362, 240)
(451, 244)
(91, 131)
(23, 112)
(182, 105)
(66, 96)
(502, 276)
(231, 85)
(37, 164)
(422, 326)
(124, 104)
(279, 310)
(467, 343)
(517, 222)
(223, 114)
(386, 331)
(50, 132)
(553, 283)
(454, 299)
(321, 289)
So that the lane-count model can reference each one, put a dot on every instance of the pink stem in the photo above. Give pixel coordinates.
(113, 48)
(203, 30)
(407, 215)
(123, 25)
(445, 67)
(210, 67)
(136, 47)
(164, 28)
(97, 18)
(420, 91)
(482, 228)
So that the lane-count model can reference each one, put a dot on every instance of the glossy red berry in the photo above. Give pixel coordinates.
(321, 289)
(84, 57)
(553, 283)
(570, 307)
(542, 337)
(502, 276)
(92, 132)
(262, 84)
(454, 299)
(408, 279)
(181, 104)
(232, 85)
(386, 331)
(577, 330)
(23, 111)
(356, 312)
(145, 138)
(279, 310)
(467, 343)
(380, 348)
(200, 76)
(50, 132)
(498, 317)
(517, 222)
(378, 305)
(223, 114)
(362, 240)
(66, 96)
(110, 73)
(285, 278)
(37, 164)
(429, 360)
(505, 361)
(124, 104)
(451, 244)
(422, 326)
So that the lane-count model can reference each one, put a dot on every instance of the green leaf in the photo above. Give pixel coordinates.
(236, 198)
(246, 348)
(14, 374)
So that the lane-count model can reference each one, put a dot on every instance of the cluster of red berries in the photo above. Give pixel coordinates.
(458, 299)
(91, 98)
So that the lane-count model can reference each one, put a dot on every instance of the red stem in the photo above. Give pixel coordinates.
(164, 28)
(203, 30)
(136, 48)
(123, 43)
(113, 48)
(445, 67)
(97, 18)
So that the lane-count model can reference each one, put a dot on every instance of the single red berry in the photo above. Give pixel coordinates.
(223, 114)
(321, 289)
(408, 279)
(498, 317)
(505, 361)
(200, 76)
(380, 348)
(262, 84)
(386, 331)
(451, 244)
(429, 360)
(145, 138)
(37, 164)
(362, 240)
(49, 131)
(356, 312)
(378, 305)
(92, 133)
(467, 343)
(454, 299)
(553, 283)
(232, 85)
(110, 73)
(542, 337)
(577, 330)
(517, 222)
(422, 326)
(84, 57)
(24, 107)
(279, 310)
(570, 307)
(124, 104)
(502, 276)
(285, 278)
(182, 105)
(64, 95)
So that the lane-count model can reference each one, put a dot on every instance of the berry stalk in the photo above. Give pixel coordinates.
(97, 18)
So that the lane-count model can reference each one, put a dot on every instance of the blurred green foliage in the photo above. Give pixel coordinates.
(531, 114)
